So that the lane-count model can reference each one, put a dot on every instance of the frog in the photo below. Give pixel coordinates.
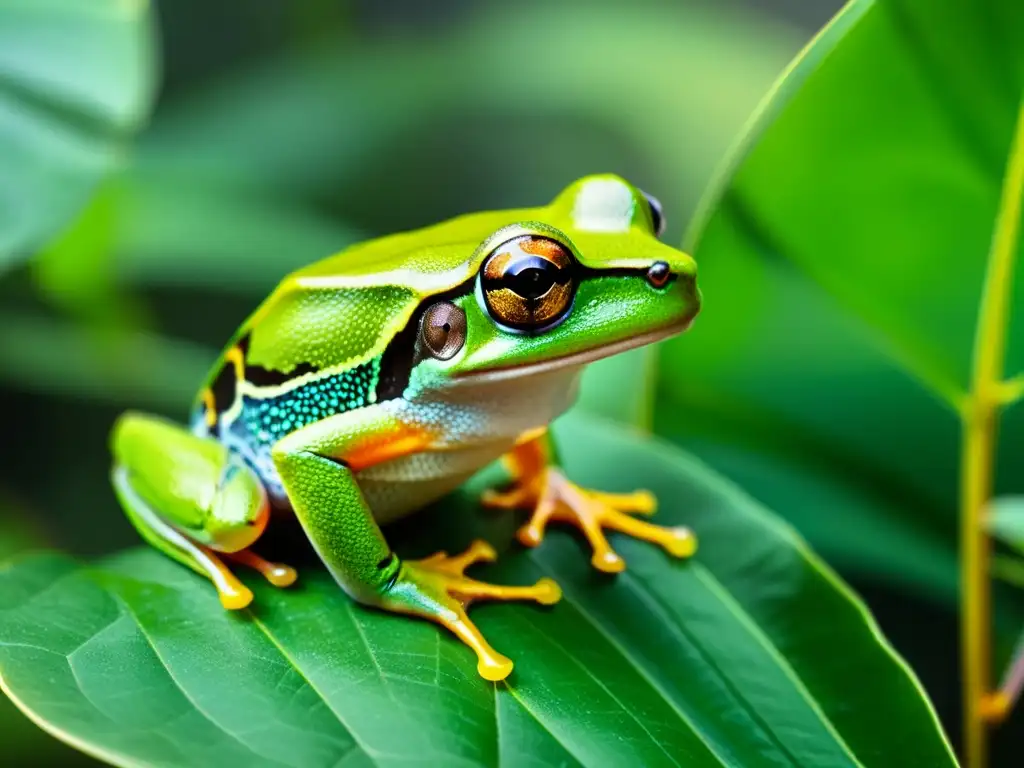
(377, 381)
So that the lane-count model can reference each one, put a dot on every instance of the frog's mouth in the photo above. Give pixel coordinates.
(499, 373)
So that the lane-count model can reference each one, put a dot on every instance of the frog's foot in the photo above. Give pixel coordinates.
(233, 594)
(552, 497)
(436, 588)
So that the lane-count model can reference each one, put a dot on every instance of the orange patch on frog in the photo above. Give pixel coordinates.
(401, 440)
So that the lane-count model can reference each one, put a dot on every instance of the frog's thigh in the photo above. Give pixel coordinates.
(186, 496)
(317, 465)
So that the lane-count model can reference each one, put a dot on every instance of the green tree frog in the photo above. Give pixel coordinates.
(380, 379)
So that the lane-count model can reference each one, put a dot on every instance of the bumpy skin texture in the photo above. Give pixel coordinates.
(330, 399)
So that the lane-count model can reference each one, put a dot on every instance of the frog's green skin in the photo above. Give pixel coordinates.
(328, 402)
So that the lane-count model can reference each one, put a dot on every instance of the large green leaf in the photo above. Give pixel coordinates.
(23, 743)
(751, 654)
(843, 262)
(76, 78)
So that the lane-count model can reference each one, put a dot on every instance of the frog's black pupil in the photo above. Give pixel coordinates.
(658, 274)
(447, 327)
(533, 282)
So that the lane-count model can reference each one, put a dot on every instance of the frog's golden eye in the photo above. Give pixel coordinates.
(528, 282)
(443, 330)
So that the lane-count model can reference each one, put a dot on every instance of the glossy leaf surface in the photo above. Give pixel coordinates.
(843, 260)
(751, 654)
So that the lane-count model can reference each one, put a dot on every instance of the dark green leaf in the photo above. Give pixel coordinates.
(751, 654)
(842, 264)
(76, 79)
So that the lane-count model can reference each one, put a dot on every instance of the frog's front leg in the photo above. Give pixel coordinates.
(317, 465)
(191, 499)
(541, 486)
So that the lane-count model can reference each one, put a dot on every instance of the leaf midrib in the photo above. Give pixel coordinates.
(127, 611)
(567, 593)
(370, 753)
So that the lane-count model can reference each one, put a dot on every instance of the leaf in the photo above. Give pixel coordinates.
(109, 365)
(24, 744)
(76, 80)
(709, 662)
(186, 234)
(1006, 521)
(842, 257)
(621, 387)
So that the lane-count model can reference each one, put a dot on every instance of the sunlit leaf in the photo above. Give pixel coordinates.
(708, 662)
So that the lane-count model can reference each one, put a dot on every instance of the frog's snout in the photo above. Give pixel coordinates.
(685, 283)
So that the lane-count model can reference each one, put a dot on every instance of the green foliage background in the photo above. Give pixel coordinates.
(284, 130)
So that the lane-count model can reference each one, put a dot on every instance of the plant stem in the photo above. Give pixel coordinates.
(980, 418)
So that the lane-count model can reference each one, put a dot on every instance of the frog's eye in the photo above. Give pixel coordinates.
(443, 330)
(528, 282)
(657, 214)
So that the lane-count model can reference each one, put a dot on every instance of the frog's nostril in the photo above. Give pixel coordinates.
(659, 273)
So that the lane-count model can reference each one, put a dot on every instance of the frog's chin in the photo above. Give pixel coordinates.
(576, 359)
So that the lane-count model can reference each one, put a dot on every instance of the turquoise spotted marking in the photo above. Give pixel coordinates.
(270, 419)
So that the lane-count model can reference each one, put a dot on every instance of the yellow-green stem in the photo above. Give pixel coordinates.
(980, 417)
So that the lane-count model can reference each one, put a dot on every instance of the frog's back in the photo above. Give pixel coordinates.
(333, 336)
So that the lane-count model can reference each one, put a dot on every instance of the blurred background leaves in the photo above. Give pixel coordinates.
(286, 130)
(76, 80)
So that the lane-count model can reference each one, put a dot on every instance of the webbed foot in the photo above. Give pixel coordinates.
(436, 588)
(552, 496)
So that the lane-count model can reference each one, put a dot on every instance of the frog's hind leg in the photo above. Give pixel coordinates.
(192, 500)
(233, 594)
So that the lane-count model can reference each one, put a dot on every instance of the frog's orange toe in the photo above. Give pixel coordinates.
(680, 542)
(547, 591)
(608, 562)
(235, 599)
(281, 575)
(278, 574)
(494, 669)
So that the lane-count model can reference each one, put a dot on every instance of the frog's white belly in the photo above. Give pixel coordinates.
(476, 423)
